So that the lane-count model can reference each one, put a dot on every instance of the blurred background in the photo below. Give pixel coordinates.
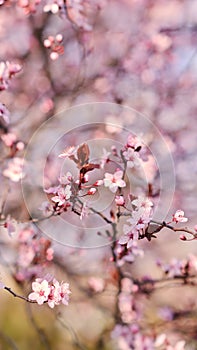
(119, 67)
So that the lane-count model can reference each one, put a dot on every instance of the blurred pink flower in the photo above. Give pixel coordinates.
(9, 139)
(14, 171)
(97, 284)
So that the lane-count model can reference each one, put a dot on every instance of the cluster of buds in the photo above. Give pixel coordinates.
(55, 45)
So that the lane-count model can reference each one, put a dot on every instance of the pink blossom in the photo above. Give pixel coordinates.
(119, 200)
(142, 202)
(41, 291)
(26, 255)
(63, 194)
(66, 179)
(14, 171)
(138, 221)
(132, 157)
(97, 284)
(9, 139)
(49, 254)
(113, 181)
(179, 216)
(59, 293)
(25, 235)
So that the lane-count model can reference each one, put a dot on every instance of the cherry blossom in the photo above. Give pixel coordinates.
(53, 293)
(138, 222)
(41, 291)
(14, 171)
(113, 181)
(179, 216)
(63, 194)
(96, 284)
(132, 158)
(142, 202)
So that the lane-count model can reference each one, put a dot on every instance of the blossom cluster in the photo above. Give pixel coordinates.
(55, 45)
(138, 222)
(130, 337)
(51, 293)
(34, 253)
(179, 268)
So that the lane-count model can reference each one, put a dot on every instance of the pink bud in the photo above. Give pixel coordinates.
(119, 200)
(183, 238)
(47, 43)
(92, 191)
(54, 55)
(98, 183)
(59, 38)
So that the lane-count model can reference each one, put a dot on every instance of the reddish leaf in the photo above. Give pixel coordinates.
(83, 153)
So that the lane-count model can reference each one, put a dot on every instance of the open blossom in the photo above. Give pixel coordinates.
(41, 291)
(138, 222)
(132, 157)
(179, 216)
(142, 202)
(53, 293)
(14, 171)
(63, 194)
(113, 181)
